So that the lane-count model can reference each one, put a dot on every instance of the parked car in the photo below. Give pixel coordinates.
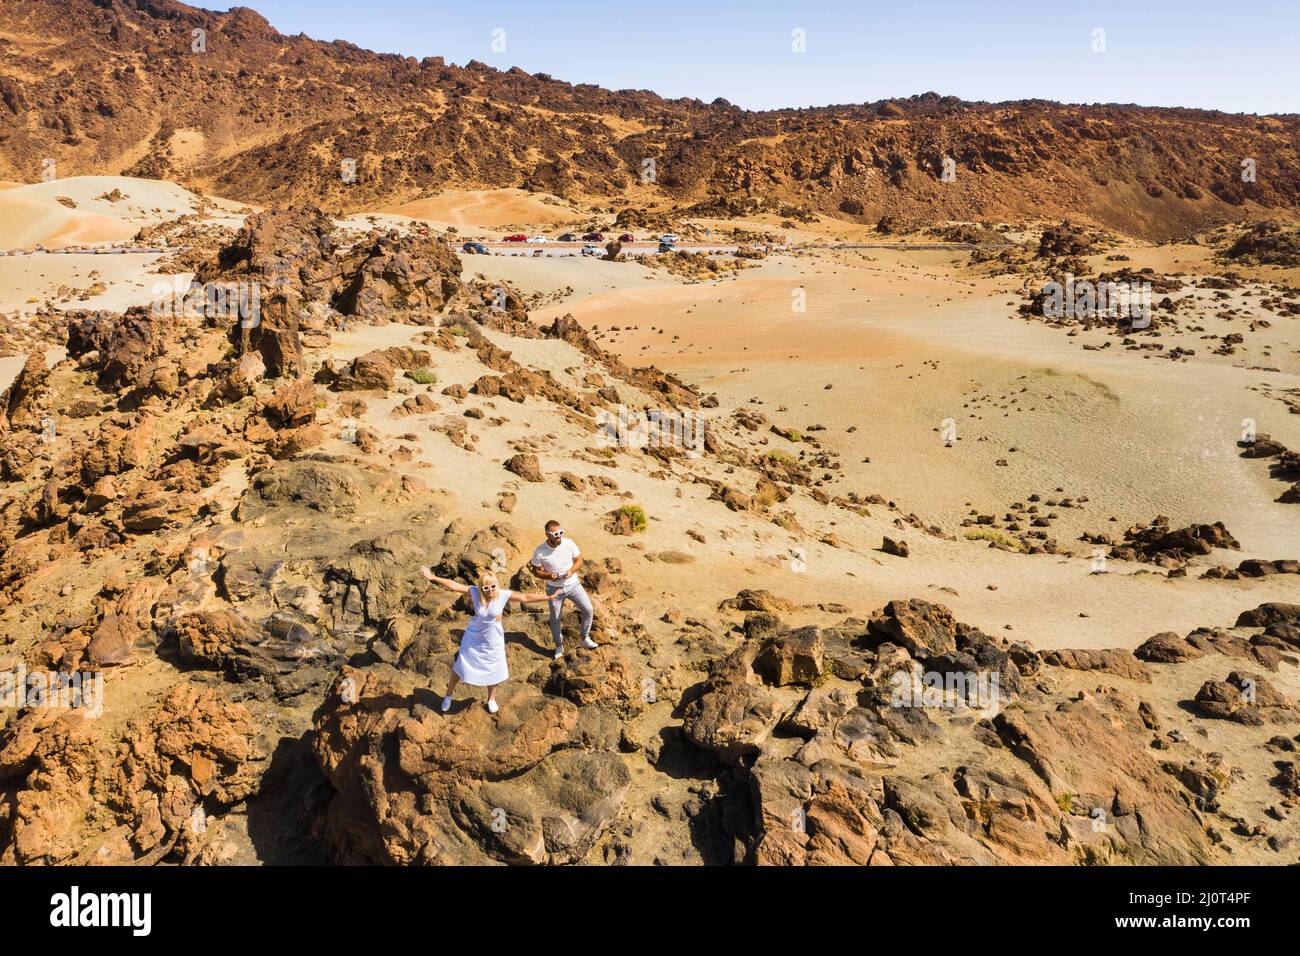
(590, 250)
(567, 237)
(668, 237)
(594, 237)
(475, 248)
(627, 237)
(666, 246)
(538, 239)
(517, 237)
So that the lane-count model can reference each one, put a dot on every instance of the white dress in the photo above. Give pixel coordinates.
(482, 657)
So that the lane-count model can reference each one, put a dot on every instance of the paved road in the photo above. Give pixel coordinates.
(543, 249)
(907, 246)
(575, 248)
(84, 252)
(568, 248)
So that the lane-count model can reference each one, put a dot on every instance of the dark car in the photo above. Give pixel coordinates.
(666, 246)
(627, 237)
(594, 237)
(475, 248)
(517, 237)
(567, 237)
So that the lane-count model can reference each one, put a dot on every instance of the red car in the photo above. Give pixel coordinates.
(517, 237)
(627, 237)
(594, 237)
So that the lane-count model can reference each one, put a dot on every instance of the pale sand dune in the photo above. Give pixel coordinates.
(26, 221)
(32, 214)
(587, 277)
(28, 282)
(484, 209)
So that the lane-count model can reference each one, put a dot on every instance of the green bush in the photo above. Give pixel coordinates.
(636, 515)
(423, 376)
(984, 534)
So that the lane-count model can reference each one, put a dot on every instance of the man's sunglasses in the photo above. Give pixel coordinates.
(555, 534)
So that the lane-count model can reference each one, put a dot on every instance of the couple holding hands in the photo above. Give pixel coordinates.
(481, 660)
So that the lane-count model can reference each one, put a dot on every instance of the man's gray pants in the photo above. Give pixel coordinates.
(578, 595)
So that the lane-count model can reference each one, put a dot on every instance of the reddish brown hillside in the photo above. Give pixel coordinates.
(110, 86)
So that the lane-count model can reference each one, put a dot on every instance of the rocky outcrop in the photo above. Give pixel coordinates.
(48, 767)
(194, 752)
(1115, 661)
(1082, 786)
(920, 628)
(526, 467)
(20, 402)
(1243, 697)
(1167, 648)
(191, 754)
(530, 786)
(795, 657)
(734, 714)
(1158, 544)
(1266, 243)
(1067, 800)
(1093, 758)
(275, 333)
(1270, 614)
(376, 370)
(129, 350)
(289, 256)
(287, 251)
(282, 659)
(399, 274)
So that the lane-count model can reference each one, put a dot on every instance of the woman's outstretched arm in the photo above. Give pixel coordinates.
(444, 582)
(534, 598)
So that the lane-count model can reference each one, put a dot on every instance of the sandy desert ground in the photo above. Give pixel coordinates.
(888, 346)
(858, 356)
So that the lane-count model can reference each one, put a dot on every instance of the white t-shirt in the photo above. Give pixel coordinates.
(557, 560)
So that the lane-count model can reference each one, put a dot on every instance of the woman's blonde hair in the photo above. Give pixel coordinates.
(487, 577)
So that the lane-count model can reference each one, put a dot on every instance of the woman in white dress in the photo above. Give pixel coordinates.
(481, 660)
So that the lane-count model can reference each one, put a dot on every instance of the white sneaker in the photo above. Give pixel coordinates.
(589, 644)
(492, 707)
(446, 703)
(559, 653)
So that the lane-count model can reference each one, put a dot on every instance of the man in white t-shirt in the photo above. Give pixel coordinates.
(556, 561)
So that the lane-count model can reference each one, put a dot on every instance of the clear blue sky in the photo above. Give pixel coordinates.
(1234, 55)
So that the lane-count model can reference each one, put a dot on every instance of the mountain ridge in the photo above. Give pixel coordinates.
(114, 86)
